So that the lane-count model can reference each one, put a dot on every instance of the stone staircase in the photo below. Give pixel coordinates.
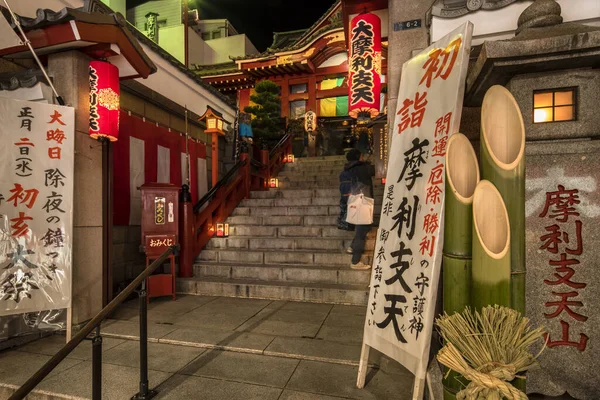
(284, 243)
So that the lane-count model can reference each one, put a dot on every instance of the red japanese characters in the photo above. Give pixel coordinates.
(564, 241)
(104, 100)
(364, 83)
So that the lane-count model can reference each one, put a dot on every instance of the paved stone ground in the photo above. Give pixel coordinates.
(218, 348)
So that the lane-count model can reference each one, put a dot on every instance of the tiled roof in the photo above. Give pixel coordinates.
(284, 39)
(216, 69)
(302, 40)
(21, 79)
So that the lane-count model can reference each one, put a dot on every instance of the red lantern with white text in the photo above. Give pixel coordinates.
(364, 81)
(104, 100)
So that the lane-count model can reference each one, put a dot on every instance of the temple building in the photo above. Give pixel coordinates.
(311, 67)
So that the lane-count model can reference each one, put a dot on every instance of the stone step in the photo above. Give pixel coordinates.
(284, 273)
(283, 243)
(309, 185)
(284, 220)
(246, 288)
(302, 160)
(298, 173)
(306, 193)
(293, 257)
(292, 211)
(289, 202)
(294, 231)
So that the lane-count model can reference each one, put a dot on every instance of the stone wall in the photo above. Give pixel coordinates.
(128, 262)
(587, 124)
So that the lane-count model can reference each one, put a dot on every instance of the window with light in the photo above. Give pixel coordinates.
(556, 105)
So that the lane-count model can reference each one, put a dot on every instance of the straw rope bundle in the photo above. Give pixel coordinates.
(489, 349)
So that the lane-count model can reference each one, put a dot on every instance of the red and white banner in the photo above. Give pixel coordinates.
(408, 252)
(364, 81)
(148, 153)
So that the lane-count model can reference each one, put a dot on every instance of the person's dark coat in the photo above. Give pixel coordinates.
(357, 175)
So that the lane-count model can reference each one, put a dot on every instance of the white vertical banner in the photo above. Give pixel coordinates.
(137, 179)
(408, 252)
(163, 167)
(202, 177)
(36, 206)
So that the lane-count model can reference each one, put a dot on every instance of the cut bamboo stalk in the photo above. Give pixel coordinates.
(462, 176)
(491, 248)
(503, 163)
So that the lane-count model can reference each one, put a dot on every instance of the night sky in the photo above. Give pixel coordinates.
(258, 19)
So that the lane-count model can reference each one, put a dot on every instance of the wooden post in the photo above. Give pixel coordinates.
(186, 233)
(363, 366)
(264, 158)
(215, 158)
(245, 170)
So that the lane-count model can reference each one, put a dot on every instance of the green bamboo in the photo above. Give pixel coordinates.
(462, 176)
(491, 248)
(503, 163)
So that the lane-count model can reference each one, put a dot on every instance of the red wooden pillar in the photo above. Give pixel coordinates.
(285, 99)
(215, 158)
(245, 170)
(264, 158)
(312, 94)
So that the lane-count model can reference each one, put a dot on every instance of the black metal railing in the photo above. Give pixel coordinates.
(222, 182)
(279, 144)
(145, 392)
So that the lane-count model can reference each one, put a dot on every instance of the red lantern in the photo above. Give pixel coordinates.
(222, 229)
(290, 158)
(364, 81)
(274, 183)
(104, 100)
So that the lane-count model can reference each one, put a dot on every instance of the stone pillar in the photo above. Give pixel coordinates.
(71, 78)
(402, 43)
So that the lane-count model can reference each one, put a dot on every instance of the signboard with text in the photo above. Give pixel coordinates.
(408, 252)
(36, 206)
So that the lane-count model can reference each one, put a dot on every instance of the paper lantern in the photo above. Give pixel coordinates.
(364, 80)
(310, 121)
(273, 183)
(290, 158)
(104, 100)
(222, 229)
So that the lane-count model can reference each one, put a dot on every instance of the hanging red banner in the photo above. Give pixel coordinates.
(104, 100)
(364, 83)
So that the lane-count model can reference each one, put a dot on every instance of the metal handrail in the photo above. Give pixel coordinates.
(36, 378)
(279, 144)
(211, 193)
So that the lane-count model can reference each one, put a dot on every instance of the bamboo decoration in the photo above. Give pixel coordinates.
(503, 163)
(491, 273)
(462, 176)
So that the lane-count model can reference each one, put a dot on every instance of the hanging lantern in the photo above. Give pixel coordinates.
(222, 229)
(290, 158)
(310, 121)
(273, 183)
(364, 81)
(104, 100)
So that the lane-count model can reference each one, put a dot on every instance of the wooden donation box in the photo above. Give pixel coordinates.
(160, 227)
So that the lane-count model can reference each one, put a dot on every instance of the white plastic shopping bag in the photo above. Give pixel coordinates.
(360, 209)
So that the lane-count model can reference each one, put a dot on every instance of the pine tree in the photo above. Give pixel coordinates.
(266, 124)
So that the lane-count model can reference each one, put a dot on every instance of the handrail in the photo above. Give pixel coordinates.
(36, 378)
(258, 164)
(279, 144)
(210, 194)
